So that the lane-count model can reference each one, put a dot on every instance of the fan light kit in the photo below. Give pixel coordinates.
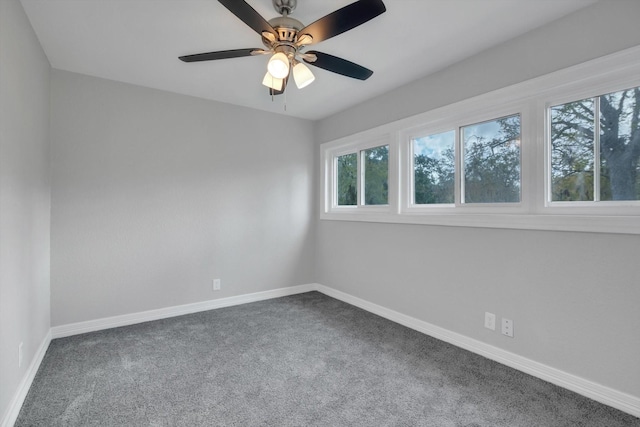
(278, 66)
(285, 39)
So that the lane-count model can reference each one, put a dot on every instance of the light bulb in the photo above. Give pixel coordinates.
(271, 82)
(279, 65)
(302, 75)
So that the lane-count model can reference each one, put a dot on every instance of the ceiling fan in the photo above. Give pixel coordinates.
(285, 39)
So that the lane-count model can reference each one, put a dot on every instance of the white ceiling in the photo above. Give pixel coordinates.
(139, 41)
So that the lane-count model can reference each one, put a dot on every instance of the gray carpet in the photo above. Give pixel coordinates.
(303, 360)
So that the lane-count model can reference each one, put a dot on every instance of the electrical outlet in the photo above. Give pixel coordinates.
(216, 284)
(490, 321)
(20, 355)
(507, 327)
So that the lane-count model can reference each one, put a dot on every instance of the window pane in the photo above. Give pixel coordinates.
(347, 179)
(492, 161)
(434, 168)
(376, 174)
(620, 145)
(572, 145)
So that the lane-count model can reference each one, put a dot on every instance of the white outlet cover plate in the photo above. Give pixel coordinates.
(507, 327)
(490, 321)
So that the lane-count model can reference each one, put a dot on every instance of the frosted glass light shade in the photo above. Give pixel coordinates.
(278, 65)
(271, 82)
(302, 75)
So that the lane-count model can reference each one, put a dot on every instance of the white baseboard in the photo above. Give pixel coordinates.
(178, 310)
(13, 410)
(614, 398)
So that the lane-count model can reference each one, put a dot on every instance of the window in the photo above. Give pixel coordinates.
(434, 169)
(347, 172)
(361, 176)
(376, 175)
(595, 148)
(489, 171)
(492, 161)
(572, 151)
(559, 152)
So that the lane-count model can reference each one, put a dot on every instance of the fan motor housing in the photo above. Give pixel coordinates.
(287, 28)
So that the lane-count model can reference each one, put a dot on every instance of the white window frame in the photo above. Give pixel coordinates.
(407, 156)
(596, 206)
(455, 123)
(532, 100)
(330, 174)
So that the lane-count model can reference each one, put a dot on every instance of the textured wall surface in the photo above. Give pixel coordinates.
(574, 297)
(155, 194)
(24, 197)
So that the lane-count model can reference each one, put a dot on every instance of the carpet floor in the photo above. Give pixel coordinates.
(302, 360)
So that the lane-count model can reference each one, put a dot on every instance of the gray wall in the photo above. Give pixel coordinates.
(155, 194)
(24, 196)
(574, 297)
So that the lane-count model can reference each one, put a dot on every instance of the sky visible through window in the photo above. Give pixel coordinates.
(434, 146)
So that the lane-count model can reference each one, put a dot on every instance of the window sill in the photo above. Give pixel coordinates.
(581, 223)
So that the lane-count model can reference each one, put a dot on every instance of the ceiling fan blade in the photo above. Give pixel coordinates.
(339, 65)
(221, 54)
(249, 16)
(343, 20)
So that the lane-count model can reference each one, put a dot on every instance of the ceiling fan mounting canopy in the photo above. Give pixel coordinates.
(284, 7)
(285, 38)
